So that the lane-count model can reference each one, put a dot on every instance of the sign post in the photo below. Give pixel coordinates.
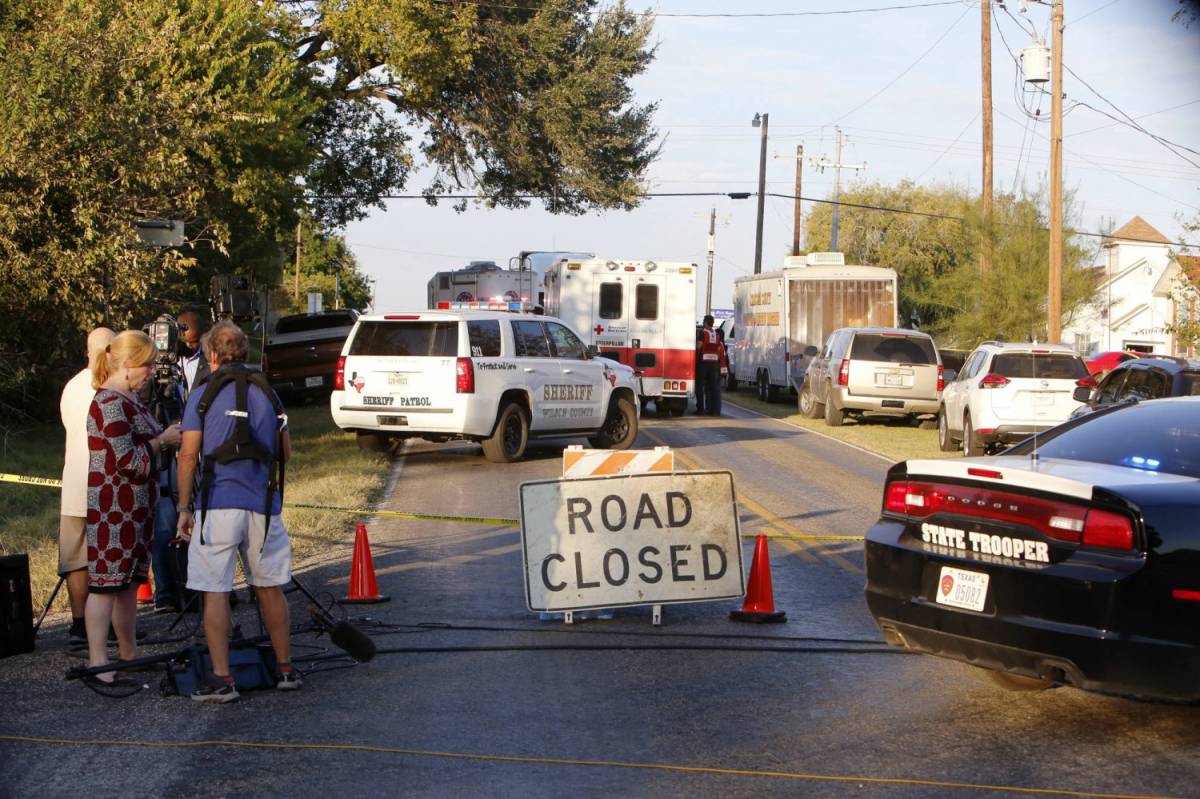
(630, 540)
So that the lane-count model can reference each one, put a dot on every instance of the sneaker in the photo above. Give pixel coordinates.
(216, 690)
(77, 636)
(289, 679)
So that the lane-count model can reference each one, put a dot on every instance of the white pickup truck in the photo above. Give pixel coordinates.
(483, 375)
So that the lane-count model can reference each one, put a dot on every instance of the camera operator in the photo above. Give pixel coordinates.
(234, 493)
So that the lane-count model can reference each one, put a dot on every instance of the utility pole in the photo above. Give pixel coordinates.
(712, 246)
(296, 284)
(796, 211)
(985, 259)
(837, 166)
(762, 190)
(1054, 309)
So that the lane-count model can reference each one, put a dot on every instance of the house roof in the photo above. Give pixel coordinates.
(1139, 230)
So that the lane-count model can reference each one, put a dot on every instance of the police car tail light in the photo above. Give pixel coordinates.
(916, 499)
(993, 381)
(465, 376)
(844, 373)
(339, 374)
(1108, 530)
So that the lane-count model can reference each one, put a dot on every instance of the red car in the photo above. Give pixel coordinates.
(1106, 361)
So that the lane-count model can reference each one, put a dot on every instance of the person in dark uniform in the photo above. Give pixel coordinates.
(712, 356)
(699, 380)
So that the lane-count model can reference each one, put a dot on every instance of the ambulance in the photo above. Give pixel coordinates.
(639, 313)
(484, 281)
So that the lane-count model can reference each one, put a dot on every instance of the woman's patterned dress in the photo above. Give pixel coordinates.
(121, 491)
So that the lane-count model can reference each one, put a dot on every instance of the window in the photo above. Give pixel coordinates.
(485, 338)
(566, 344)
(1189, 385)
(1049, 366)
(646, 305)
(406, 339)
(893, 349)
(971, 367)
(530, 340)
(645, 360)
(1084, 345)
(1110, 386)
(611, 296)
(444, 282)
(1146, 384)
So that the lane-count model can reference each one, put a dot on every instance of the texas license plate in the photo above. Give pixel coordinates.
(313, 382)
(893, 380)
(961, 589)
(394, 421)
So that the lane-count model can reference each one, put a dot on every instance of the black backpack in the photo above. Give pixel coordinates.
(241, 444)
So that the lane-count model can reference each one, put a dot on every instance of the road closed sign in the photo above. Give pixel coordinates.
(648, 539)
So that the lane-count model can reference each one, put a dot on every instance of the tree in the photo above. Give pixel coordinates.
(326, 266)
(935, 253)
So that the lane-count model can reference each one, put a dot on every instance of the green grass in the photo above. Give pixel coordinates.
(891, 438)
(327, 468)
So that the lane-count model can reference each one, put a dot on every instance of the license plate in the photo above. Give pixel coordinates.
(1043, 399)
(313, 382)
(398, 421)
(962, 589)
(893, 380)
(397, 379)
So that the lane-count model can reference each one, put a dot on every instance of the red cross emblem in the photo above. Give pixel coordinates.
(598, 329)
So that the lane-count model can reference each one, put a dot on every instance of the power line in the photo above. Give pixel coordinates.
(907, 69)
(1139, 116)
(917, 179)
(1088, 14)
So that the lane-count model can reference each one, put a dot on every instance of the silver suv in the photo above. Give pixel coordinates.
(881, 370)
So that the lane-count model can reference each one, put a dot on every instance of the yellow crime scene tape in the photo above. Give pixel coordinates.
(50, 482)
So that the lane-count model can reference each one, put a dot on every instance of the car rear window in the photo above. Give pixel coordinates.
(1052, 366)
(436, 339)
(1155, 436)
(892, 349)
(305, 323)
(1189, 384)
(484, 336)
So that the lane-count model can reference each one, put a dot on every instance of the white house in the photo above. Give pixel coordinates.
(1135, 296)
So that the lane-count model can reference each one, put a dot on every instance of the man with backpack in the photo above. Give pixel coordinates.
(234, 428)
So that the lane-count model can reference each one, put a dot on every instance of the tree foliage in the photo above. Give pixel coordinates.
(327, 267)
(935, 252)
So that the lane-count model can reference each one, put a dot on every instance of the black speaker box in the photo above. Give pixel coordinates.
(16, 606)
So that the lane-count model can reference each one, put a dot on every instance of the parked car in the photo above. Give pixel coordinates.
(301, 354)
(1079, 566)
(1104, 361)
(1141, 379)
(952, 359)
(882, 370)
(1007, 392)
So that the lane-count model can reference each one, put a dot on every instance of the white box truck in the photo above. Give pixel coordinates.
(782, 318)
(484, 281)
(640, 313)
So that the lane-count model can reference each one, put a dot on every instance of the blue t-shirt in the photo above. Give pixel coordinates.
(241, 483)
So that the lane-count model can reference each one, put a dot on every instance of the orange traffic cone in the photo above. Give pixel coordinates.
(759, 605)
(363, 589)
(145, 592)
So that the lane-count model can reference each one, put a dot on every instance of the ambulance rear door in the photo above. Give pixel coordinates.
(610, 320)
(645, 301)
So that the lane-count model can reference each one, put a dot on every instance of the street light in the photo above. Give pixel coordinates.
(760, 121)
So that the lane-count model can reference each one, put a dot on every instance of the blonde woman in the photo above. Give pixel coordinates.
(124, 442)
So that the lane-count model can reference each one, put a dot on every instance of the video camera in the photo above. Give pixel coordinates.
(164, 396)
(233, 297)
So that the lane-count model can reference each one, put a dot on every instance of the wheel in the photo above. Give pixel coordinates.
(972, 445)
(372, 442)
(620, 427)
(730, 382)
(762, 386)
(645, 403)
(834, 416)
(676, 406)
(660, 408)
(772, 392)
(1018, 682)
(945, 442)
(507, 443)
(808, 405)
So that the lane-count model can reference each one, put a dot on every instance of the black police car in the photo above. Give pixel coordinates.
(1146, 378)
(1072, 559)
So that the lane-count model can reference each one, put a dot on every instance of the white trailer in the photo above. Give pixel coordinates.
(484, 281)
(780, 315)
(640, 313)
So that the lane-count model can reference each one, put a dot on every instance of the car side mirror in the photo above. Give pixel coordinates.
(810, 351)
(1082, 394)
(592, 351)
(949, 375)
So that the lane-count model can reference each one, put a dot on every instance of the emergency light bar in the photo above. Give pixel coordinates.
(485, 305)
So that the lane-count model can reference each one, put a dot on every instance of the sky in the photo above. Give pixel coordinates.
(903, 86)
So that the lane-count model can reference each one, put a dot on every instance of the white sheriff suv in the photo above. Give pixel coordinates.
(474, 373)
(1008, 392)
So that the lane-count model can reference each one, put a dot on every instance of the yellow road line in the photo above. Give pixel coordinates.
(557, 761)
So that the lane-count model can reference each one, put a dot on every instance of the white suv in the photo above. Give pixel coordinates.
(1008, 392)
(488, 376)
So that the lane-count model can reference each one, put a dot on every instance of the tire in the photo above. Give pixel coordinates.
(834, 416)
(946, 442)
(762, 386)
(676, 406)
(620, 427)
(730, 382)
(372, 442)
(507, 442)
(972, 446)
(772, 393)
(1018, 682)
(808, 405)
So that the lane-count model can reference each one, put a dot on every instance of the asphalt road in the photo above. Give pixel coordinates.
(605, 712)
